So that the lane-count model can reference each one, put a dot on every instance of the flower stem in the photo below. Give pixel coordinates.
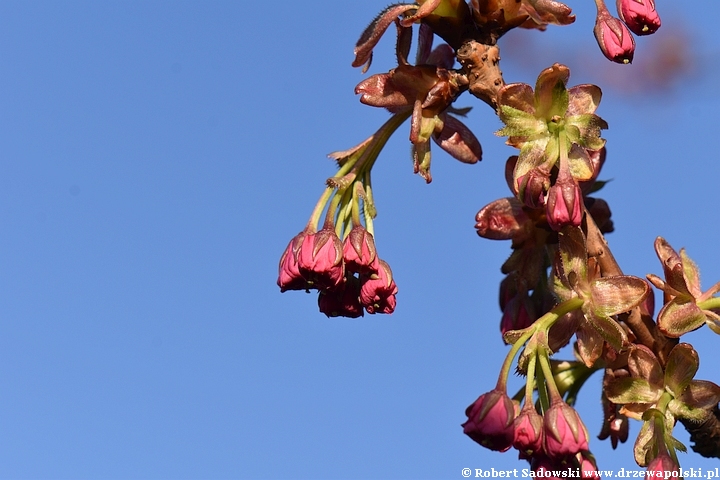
(317, 211)
(544, 360)
(709, 304)
(542, 324)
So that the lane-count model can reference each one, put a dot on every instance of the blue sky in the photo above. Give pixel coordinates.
(156, 159)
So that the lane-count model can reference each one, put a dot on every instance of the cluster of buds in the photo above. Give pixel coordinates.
(349, 275)
(614, 34)
(340, 260)
(551, 438)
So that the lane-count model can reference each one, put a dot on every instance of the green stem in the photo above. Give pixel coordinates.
(709, 304)
(505, 369)
(368, 204)
(317, 211)
(530, 380)
(367, 160)
(547, 371)
(332, 209)
(542, 324)
(546, 321)
(542, 390)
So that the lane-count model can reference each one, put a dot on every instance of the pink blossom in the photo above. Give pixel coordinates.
(359, 252)
(614, 38)
(639, 15)
(661, 464)
(564, 204)
(490, 421)
(343, 301)
(565, 433)
(377, 293)
(320, 260)
(528, 432)
(289, 277)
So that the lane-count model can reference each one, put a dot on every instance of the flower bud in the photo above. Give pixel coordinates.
(359, 252)
(588, 467)
(289, 277)
(614, 38)
(639, 15)
(532, 187)
(565, 433)
(320, 260)
(528, 432)
(662, 464)
(377, 293)
(490, 421)
(517, 314)
(343, 301)
(564, 204)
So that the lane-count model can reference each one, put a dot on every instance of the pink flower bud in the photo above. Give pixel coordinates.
(639, 15)
(564, 204)
(661, 464)
(343, 301)
(517, 314)
(528, 432)
(532, 187)
(490, 421)
(377, 293)
(359, 252)
(588, 468)
(289, 277)
(565, 433)
(549, 469)
(320, 260)
(614, 38)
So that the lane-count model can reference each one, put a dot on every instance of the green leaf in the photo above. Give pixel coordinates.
(583, 99)
(642, 363)
(691, 274)
(645, 443)
(532, 154)
(701, 394)
(680, 316)
(580, 165)
(610, 330)
(682, 365)
(519, 123)
(551, 97)
(598, 185)
(573, 255)
(614, 295)
(631, 390)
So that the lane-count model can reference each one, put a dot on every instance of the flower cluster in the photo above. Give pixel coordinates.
(340, 259)
(553, 436)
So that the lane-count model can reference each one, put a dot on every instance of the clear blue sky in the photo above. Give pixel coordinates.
(155, 159)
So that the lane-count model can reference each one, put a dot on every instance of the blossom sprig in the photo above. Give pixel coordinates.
(686, 306)
(551, 122)
(339, 258)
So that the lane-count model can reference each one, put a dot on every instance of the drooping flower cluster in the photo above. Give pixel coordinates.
(340, 260)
